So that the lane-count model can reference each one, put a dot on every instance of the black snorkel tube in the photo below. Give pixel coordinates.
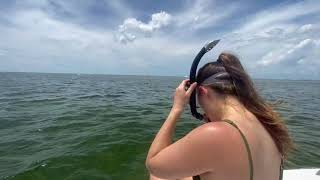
(192, 77)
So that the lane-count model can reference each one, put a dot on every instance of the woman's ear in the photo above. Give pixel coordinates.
(202, 90)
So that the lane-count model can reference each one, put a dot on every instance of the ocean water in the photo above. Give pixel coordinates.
(69, 126)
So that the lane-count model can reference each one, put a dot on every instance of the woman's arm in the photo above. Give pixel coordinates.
(152, 177)
(194, 154)
(165, 135)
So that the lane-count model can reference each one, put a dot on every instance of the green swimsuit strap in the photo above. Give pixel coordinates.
(281, 168)
(249, 154)
(197, 177)
(247, 146)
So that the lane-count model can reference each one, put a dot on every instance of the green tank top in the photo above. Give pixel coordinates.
(248, 151)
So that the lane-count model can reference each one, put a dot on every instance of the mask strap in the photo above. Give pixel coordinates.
(219, 77)
(234, 85)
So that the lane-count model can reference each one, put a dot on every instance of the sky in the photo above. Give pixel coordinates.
(273, 39)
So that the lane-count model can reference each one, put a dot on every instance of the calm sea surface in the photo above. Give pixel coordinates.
(69, 126)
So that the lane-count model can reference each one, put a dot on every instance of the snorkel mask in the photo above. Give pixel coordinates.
(192, 77)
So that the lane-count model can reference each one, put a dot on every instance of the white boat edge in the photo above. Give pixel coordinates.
(299, 174)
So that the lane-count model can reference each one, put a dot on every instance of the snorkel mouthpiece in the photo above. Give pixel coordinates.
(192, 76)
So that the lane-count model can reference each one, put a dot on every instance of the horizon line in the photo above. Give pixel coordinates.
(180, 76)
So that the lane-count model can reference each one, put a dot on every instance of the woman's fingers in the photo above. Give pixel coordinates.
(183, 93)
(191, 89)
(184, 83)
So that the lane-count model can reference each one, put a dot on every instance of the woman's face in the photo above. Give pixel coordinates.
(210, 102)
(203, 102)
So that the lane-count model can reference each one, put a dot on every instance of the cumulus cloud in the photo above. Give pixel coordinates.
(35, 41)
(278, 40)
(292, 53)
(132, 28)
(199, 14)
(280, 14)
(306, 28)
(281, 41)
(39, 42)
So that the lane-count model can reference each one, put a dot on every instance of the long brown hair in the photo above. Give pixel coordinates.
(242, 87)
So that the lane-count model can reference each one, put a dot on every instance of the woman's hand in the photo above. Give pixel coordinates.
(182, 96)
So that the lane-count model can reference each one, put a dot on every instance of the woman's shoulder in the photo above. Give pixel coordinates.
(214, 133)
(217, 127)
(219, 139)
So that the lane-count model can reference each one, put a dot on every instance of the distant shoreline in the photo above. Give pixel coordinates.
(146, 75)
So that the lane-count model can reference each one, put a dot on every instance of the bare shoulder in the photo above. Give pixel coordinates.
(216, 128)
(213, 134)
(217, 142)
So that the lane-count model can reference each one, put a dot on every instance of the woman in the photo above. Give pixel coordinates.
(244, 138)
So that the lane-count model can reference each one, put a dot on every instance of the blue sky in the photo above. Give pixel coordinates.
(273, 39)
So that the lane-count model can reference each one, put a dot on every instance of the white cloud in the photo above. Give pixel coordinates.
(280, 14)
(198, 15)
(292, 53)
(276, 42)
(204, 13)
(38, 23)
(131, 27)
(38, 42)
(306, 28)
